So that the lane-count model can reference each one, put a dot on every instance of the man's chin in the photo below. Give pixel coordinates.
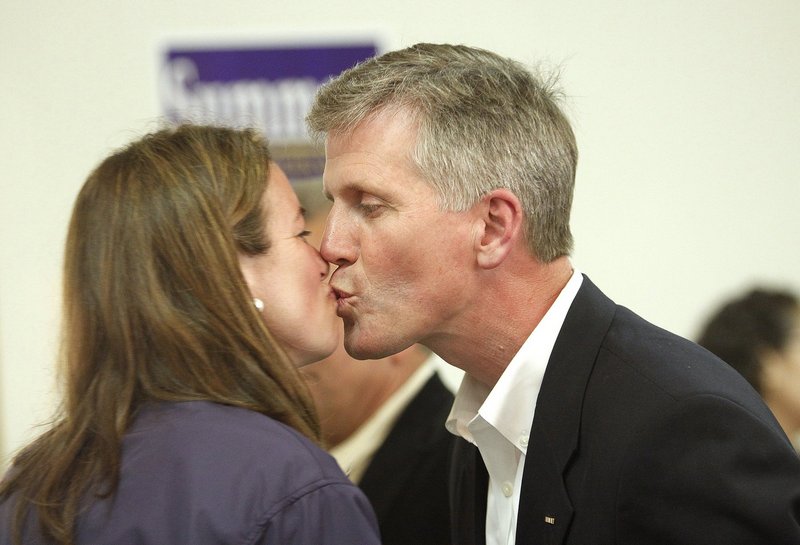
(362, 353)
(355, 346)
(361, 348)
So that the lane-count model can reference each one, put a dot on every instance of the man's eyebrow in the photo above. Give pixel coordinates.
(301, 213)
(357, 185)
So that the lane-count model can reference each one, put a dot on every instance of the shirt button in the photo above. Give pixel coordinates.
(508, 489)
(523, 441)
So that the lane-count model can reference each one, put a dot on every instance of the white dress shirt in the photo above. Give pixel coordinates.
(498, 420)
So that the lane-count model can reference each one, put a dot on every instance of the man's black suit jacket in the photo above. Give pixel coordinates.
(640, 438)
(406, 481)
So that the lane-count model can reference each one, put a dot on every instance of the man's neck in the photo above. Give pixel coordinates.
(492, 330)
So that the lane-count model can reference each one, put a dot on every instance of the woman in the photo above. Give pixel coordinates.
(759, 335)
(190, 296)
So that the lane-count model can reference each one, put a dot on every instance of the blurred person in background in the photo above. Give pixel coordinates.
(758, 334)
(190, 298)
(383, 421)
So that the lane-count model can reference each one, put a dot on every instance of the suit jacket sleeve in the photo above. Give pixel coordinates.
(709, 468)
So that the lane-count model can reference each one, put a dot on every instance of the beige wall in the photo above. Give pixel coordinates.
(686, 113)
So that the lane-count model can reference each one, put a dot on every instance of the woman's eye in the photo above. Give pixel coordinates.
(304, 234)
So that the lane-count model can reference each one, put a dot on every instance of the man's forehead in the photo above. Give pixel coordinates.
(371, 158)
(363, 171)
(386, 129)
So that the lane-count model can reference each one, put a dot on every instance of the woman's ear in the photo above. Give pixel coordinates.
(249, 267)
(501, 226)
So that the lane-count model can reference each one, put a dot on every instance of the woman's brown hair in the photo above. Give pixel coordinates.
(156, 309)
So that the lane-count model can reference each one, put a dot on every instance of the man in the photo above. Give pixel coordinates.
(451, 172)
(383, 421)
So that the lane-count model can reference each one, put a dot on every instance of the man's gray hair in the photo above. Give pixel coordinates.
(484, 122)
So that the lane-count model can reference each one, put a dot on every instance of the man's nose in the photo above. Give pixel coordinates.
(338, 244)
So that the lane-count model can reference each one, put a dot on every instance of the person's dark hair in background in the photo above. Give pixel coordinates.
(758, 334)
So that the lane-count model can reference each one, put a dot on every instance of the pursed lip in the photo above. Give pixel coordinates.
(342, 300)
(340, 293)
(332, 294)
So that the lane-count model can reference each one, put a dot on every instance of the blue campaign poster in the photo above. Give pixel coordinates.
(270, 87)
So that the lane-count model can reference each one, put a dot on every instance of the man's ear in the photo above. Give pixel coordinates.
(501, 224)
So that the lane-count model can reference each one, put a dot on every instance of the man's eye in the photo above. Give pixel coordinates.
(304, 234)
(370, 210)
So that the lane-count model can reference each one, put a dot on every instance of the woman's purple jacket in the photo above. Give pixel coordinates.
(200, 473)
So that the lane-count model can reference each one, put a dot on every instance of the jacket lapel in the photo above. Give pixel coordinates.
(545, 510)
(469, 484)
